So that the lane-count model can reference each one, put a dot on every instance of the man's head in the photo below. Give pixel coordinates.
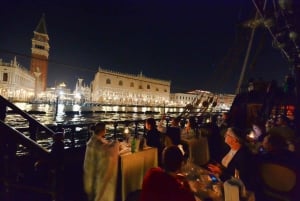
(99, 129)
(172, 159)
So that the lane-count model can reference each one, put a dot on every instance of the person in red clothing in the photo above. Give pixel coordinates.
(167, 184)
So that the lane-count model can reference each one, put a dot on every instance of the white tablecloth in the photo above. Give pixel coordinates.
(133, 167)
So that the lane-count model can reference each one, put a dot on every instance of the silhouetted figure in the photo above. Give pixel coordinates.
(57, 161)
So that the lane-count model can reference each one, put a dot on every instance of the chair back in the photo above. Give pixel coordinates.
(278, 177)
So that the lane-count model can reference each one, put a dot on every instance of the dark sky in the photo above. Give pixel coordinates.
(194, 43)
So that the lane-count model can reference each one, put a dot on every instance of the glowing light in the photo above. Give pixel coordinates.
(77, 95)
(126, 130)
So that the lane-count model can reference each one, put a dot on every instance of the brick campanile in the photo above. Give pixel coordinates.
(39, 55)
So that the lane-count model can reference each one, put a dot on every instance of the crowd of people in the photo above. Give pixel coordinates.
(231, 149)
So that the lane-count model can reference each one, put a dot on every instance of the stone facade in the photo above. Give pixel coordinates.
(16, 82)
(119, 88)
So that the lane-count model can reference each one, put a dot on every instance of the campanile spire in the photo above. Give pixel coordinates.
(39, 55)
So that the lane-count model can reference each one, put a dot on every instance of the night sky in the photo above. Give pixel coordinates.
(197, 44)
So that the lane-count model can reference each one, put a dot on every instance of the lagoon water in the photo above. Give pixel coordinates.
(49, 114)
(46, 114)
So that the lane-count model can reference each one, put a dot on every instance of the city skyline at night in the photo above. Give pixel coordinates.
(196, 45)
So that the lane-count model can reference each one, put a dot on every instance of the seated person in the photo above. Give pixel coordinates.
(172, 137)
(190, 130)
(238, 158)
(174, 124)
(166, 184)
(275, 150)
(152, 135)
(255, 136)
(283, 127)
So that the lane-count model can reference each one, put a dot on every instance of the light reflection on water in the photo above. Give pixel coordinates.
(50, 117)
(46, 114)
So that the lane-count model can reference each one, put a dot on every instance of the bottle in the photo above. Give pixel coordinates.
(133, 145)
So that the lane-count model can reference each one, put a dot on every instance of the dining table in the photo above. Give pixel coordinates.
(132, 169)
(206, 184)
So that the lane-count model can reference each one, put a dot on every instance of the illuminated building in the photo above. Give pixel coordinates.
(119, 88)
(82, 92)
(16, 82)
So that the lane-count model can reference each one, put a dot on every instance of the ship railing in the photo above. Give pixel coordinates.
(76, 135)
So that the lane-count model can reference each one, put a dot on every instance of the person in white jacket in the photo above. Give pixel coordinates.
(100, 166)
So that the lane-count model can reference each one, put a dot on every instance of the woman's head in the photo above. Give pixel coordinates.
(191, 123)
(233, 137)
(150, 123)
(258, 130)
(172, 158)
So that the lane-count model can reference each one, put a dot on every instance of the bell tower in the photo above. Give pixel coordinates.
(39, 55)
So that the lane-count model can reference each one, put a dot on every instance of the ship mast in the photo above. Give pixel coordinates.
(285, 37)
(242, 74)
(253, 24)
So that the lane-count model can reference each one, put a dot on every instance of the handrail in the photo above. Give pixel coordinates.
(10, 138)
(34, 125)
(22, 139)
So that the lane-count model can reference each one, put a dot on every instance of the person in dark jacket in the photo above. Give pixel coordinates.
(152, 136)
(237, 158)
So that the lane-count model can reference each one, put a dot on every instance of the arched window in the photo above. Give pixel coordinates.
(148, 86)
(131, 84)
(157, 89)
(165, 90)
(140, 87)
(108, 81)
(120, 83)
